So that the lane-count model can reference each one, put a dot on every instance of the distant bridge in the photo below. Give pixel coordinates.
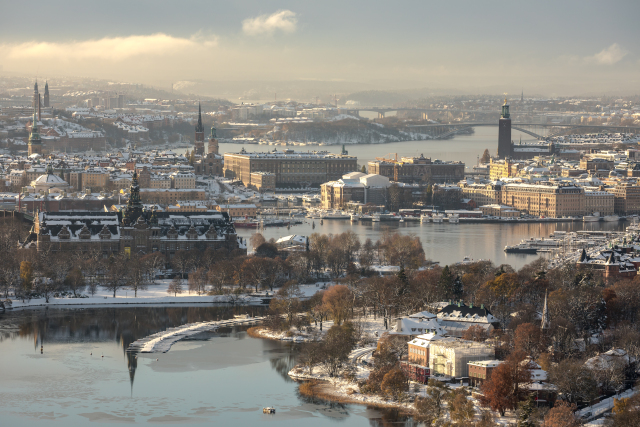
(443, 131)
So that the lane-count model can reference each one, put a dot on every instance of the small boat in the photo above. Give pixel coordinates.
(611, 218)
(454, 219)
(268, 410)
(355, 217)
(438, 218)
(520, 249)
(424, 218)
(375, 218)
(401, 219)
(591, 218)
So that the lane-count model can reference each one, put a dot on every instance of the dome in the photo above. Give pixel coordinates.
(50, 179)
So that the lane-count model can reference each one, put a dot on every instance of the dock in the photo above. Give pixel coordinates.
(161, 342)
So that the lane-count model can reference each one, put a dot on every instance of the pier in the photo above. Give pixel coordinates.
(161, 342)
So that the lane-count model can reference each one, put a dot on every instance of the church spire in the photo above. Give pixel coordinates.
(199, 127)
(546, 323)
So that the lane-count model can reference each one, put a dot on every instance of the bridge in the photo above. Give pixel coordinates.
(443, 131)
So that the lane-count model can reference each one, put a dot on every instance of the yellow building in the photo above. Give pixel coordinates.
(503, 169)
(553, 201)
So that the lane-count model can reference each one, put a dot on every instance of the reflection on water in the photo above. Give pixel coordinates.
(220, 376)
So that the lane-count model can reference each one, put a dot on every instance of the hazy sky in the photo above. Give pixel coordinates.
(548, 45)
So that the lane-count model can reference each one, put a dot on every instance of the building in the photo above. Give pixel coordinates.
(480, 371)
(504, 168)
(171, 196)
(626, 198)
(593, 164)
(504, 133)
(482, 194)
(199, 138)
(548, 200)
(213, 141)
(263, 181)
(293, 243)
(240, 210)
(291, 168)
(354, 188)
(450, 357)
(418, 169)
(500, 211)
(599, 201)
(611, 265)
(416, 367)
(457, 317)
(135, 230)
(183, 180)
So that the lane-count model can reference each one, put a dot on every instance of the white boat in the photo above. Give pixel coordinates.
(424, 218)
(438, 218)
(591, 218)
(375, 218)
(355, 217)
(611, 218)
(401, 220)
(454, 219)
(335, 215)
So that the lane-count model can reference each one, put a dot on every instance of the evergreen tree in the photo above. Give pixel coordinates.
(445, 284)
(402, 275)
(525, 409)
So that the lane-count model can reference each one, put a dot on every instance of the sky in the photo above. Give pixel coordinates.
(548, 47)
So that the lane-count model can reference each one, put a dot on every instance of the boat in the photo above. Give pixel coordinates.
(454, 219)
(401, 220)
(355, 217)
(438, 218)
(521, 248)
(375, 218)
(366, 218)
(268, 410)
(591, 218)
(246, 224)
(611, 218)
(424, 218)
(335, 215)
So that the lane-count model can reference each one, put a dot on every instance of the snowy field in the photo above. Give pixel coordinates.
(155, 294)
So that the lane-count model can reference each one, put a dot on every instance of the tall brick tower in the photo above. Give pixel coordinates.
(199, 144)
(46, 95)
(504, 132)
(213, 141)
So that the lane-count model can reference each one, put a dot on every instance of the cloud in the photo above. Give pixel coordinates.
(108, 48)
(284, 20)
(610, 55)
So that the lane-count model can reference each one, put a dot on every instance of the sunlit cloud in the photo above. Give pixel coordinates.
(283, 20)
(108, 48)
(610, 55)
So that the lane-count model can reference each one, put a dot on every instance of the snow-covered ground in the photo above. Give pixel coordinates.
(606, 405)
(155, 294)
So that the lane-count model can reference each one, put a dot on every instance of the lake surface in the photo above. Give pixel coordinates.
(219, 378)
(444, 242)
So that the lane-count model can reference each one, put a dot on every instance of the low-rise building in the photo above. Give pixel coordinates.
(501, 211)
(241, 210)
(480, 371)
(263, 181)
(450, 357)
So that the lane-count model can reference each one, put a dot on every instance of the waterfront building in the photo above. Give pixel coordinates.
(418, 169)
(354, 188)
(504, 133)
(599, 201)
(248, 210)
(612, 264)
(500, 211)
(546, 199)
(135, 230)
(626, 198)
(291, 168)
(482, 194)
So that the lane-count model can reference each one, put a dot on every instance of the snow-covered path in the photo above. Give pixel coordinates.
(161, 342)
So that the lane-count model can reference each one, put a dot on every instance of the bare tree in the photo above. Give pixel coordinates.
(175, 287)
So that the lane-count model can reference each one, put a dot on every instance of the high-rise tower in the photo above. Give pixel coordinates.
(35, 143)
(504, 132)
(199, 144)
(46, 94)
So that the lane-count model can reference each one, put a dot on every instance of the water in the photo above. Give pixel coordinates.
(465, 148)
(444, 242)
(223, 377)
